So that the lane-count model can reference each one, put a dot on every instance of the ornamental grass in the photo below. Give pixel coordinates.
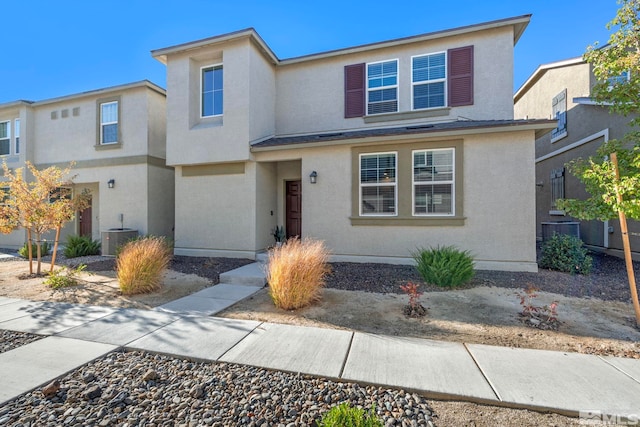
(141, 264)
(296, 272)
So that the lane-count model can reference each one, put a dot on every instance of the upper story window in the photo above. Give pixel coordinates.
(16, 131)
(5, 138)
(212, 90)
(429, 79)
(621, 79)
(378, 194)
(559, 112)
(109, 122)
(433, 182)
(382, 87)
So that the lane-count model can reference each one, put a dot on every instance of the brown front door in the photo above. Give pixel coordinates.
(294, 209)
(84, 217)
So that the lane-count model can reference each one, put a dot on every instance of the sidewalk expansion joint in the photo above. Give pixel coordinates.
(239, 341)
(493, 387)
(621, 370)
(346, 356)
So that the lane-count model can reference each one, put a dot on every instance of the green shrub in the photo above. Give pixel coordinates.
(64, 277)
(566, 253)
(141, 263)
(81, 246)
(344, 415)
(44, 247)
(444, 266)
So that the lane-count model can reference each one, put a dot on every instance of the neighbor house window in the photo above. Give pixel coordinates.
(109, 122)
(5, 138)
(621, 79)
(557, 187)
(212, 91)
(429, 79)
(16, 131)
(4, 195)
(382, 87)
(433, 182)
(378, 192)
(559, 111)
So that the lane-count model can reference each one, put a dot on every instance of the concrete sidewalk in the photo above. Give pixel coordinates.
(541, 380)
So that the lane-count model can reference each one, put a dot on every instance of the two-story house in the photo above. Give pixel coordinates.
(117, 138)
(377, 149)
(562, 90)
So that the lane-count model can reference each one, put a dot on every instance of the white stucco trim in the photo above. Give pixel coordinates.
(214, 253)
(602, 134)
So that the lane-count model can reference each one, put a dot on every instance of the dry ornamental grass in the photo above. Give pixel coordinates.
(141, 264)
(296, 273)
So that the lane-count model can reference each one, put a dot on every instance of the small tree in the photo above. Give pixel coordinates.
(39, 205)
(612, 177)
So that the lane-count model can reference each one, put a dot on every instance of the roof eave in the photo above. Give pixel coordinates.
(97, 92)
(520, 23)
(539, 72)
(540, 127)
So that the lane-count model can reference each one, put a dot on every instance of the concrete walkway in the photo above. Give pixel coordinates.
(566, 383)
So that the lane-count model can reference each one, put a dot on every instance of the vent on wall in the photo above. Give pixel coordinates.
(64, 113)
(76, 111)
(54, 115)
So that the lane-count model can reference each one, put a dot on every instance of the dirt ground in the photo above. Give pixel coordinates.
(482, 314)
(96, 288)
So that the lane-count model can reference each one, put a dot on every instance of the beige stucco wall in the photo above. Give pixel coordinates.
(161, 201)
(499, 228)
(262, 95)
(195, 140)
(216, 214)
(311, 93)
(266, 203)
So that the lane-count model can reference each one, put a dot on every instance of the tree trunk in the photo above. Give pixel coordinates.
(55, 248)
(39, 252)
(30, 251)
(627, 247)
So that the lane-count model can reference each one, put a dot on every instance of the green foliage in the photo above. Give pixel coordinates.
(64, 277)
(599, 177)
(44, 248)
(566, 253)
(81, 246)
(620, 55)
(444, 266)
(344, 415)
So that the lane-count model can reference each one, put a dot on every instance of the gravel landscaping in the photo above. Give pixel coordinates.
(143, 389)
(11, 339)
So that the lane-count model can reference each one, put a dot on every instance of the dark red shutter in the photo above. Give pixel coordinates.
(354, 90)
(460, 79)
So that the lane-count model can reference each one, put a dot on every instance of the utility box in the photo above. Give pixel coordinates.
(571, 228)
(113, 238)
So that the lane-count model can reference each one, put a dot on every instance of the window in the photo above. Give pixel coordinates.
(5, 138)
(4, 195)
(621, 79)
(429, 78)
(382, 87)
(559, 111)
(109, 122)
(557, 187)
(212, 91)
(378, 184)
(16, 131)
(433, 182)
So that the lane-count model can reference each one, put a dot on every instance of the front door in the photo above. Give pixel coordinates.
(293, 223)
(84, 218)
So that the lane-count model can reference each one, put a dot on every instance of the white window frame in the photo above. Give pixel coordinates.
(8, 137)
(201, 96)
(396, 86)
(424, 82)
(102, 123)
(414, 183)
(16, 136)
(394, 184)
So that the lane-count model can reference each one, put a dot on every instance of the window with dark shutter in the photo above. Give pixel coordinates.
(354, 101)
(460, 82)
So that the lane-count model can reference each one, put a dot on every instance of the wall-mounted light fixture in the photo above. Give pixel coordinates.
(313, 177)
(111, 183)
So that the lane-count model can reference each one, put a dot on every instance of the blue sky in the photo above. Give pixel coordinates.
(56, 48)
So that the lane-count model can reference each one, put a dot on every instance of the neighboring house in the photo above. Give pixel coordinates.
(562, 90)
(117, 139)
(376, 149)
